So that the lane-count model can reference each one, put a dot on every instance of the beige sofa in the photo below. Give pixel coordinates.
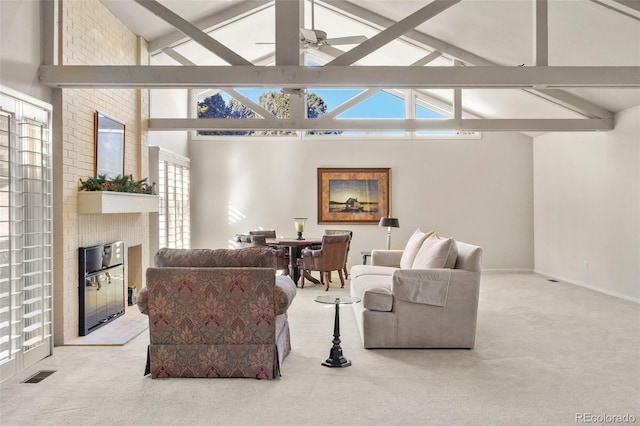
(217, 313)
(417, 305)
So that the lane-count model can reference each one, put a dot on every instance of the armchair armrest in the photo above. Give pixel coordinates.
(386, 257)
(143, 300)
(310, 257)
(285, 292)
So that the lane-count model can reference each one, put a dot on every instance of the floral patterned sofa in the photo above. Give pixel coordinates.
(216, 313)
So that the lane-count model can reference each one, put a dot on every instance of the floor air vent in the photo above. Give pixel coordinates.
(39, 376)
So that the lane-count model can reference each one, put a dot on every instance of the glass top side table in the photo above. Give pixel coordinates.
(336, 359)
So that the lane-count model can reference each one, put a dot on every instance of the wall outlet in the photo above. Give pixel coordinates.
(586, 265)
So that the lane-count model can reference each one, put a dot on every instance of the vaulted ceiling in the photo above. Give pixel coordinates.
(502, 64)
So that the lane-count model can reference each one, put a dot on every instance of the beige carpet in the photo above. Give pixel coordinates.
(118, 332)
(545, 353)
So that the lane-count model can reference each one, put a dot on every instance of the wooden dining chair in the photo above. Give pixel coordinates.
(342, 231)
(330, 257)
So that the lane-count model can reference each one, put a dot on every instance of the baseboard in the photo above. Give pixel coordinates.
(590, 287)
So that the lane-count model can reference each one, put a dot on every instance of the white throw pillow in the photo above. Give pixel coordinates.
(412, 247)
(436, 252)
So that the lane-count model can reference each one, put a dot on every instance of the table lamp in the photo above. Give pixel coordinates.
(389, 222)
(299, 224)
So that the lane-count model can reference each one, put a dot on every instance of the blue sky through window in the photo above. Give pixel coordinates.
(422, 112)
(380, 105)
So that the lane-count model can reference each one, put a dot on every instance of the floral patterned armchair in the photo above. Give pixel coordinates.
(216, 313)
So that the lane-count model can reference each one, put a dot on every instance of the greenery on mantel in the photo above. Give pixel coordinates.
(117, 184)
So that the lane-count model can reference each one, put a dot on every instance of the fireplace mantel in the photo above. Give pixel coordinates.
(103, 202)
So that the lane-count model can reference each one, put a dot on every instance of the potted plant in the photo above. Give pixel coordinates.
(122, 194)
(118, 184)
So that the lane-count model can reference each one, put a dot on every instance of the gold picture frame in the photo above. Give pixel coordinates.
(353, 195)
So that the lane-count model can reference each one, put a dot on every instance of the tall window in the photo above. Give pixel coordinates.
(26, 214)
(171, 224)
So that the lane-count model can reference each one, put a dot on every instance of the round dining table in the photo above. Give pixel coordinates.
(295, 248)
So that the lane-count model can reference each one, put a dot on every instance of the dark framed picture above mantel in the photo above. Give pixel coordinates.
(358, 196)
(109, 146)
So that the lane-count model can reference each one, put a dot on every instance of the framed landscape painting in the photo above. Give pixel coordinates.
(359, 196)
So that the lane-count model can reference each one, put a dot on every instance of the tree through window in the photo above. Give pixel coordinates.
(276, 102)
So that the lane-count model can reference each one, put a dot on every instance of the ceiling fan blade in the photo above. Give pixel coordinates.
(308, 35)
(334, 41)
(330, 50)
(265, 42)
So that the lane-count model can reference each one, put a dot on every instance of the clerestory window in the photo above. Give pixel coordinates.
(324, 104)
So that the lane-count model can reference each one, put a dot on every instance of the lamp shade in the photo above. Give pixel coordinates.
(391, 222)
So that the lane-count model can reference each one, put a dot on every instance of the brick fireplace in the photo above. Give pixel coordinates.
(96, 229)
(74, 153)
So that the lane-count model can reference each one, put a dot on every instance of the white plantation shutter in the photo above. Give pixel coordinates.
(26, 229)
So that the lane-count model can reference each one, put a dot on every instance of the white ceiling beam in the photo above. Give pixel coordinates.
(264, 60)
(558, 97)
(177, 57)
(441, 105)
(482, 125)
(412, 35)
(633, 4)
(571, 102)
(163, 76)
(195, 33)
(615, 8)
(457, 103)
(297, 103)
(427, 59)
(289, 16)
(331, 51)
(541, 35)
(457, 96)
(445, 106)
(238, 11)
(393, 32)
(258, 109)
(351, 103)
(203, 94)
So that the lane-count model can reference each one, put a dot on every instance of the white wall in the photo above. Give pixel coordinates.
(478, 191)
(169, 103)
(587, 206)
(20, 47)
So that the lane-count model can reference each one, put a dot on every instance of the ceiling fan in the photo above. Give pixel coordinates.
(319, 38)
(312, 37)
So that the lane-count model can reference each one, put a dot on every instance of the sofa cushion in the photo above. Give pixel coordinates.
(413, 246)
(436, 252)
(360, 270)
(386, 257)
(360, 285)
